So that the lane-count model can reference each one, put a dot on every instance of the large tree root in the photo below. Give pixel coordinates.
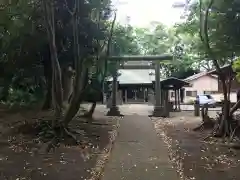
(53, 137)
(220, 127)
(213, 133)
(207, 122)
(62, 135)
(205, 125)
(225, 129)
(89, 114)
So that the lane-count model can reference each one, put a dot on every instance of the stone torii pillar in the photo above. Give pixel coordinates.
(114, 110)
(158, 111)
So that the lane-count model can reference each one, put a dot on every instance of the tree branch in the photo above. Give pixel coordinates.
(204, 34)
(73, 12)
(109, 42)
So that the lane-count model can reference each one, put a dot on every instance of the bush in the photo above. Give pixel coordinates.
(20, 98)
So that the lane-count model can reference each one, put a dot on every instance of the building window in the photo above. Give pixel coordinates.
(172, 94)
(210, 92)
(191, 93)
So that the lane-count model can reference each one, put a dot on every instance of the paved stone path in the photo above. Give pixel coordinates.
(146, 109)
(138, 154)
(138, 109)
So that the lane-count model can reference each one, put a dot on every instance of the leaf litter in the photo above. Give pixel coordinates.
(21, 158)
(192, 157)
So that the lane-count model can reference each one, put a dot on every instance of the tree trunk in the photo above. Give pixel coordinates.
(48, 78)
(225, 121)
(48, 100)
(234, 108)
(57, 93)
(67, 84)
(80, 68)
(77, 97)
(90, 113)
(237, 105)
(6, 86)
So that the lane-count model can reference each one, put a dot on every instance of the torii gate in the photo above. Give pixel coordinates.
(158, 110)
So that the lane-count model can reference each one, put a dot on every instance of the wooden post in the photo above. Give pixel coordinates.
(196, 108)
(135, 94)
(175, 100)
(144, 95)
(147, 96)
(104, 98)
(126, 96)
(179, 107)
(166, 104)
(162, 98)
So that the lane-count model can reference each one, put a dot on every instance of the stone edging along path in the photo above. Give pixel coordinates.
(105, 154)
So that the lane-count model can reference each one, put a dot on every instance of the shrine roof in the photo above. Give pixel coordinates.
(146, 76)
(135, 76)
(172, 82)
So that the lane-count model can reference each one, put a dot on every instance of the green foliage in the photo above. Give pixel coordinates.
(236, 68)
(20, 47)
(125, 41)
(21, 98)
(164, 40)
(24, 49)
(154, 41)
(223, 29)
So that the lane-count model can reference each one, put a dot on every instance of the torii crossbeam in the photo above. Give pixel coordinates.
(156, 59)
(141, 58)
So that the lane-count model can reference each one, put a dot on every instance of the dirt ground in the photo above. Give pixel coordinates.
(21, 158)
(194, 158)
